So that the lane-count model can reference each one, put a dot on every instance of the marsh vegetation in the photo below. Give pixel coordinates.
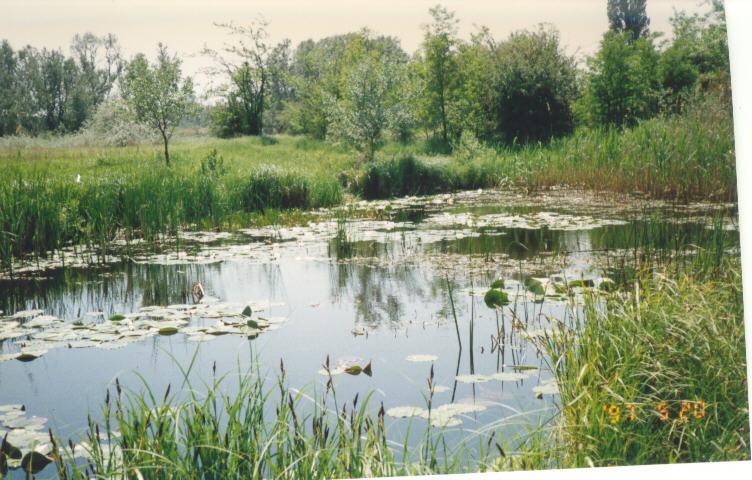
(484, 256)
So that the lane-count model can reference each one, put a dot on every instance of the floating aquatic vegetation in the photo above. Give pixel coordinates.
(421, 358)
(357, 370)
(548, 387)
(348, 365)
(498, 376)
(441, 416)
(45, 332)
(405, 412)
(25, 443)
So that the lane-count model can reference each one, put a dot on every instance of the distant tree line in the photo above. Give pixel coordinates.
(362, 88)
(47, 91)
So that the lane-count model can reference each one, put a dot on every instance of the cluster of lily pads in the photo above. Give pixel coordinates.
(556, 287)
(26, 444)
(446, 415)
(24, 440)
(35, 333)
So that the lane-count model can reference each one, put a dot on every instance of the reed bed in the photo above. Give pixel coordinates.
(657, 375)
(256, 432)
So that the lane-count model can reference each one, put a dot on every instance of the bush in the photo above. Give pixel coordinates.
(111, 125)
(534, 84)
(403, 176)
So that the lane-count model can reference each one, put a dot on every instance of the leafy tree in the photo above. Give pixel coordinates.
(698, 57)
(321, 72)
(533, 86)
(470, 109)
(622, 85)
(8, 114)
(245, 65)
(280, 89)
(100, 62)
(157, 95)
(370, 105)
(628, 16)
(439, 52)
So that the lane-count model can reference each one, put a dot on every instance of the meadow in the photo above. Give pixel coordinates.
(127, 192)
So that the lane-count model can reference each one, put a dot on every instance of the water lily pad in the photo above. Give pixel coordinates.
(34, 461)
(24, 314)
(169, 330)
(422, 358)
(549, 387)
(474, 378)
(405, 412)
(582, 283)
(28, 355)
(41, 321)
(510, 376)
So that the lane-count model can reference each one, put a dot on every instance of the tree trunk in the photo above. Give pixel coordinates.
(166, 152)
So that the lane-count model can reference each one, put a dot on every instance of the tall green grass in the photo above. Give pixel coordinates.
(681, 157)
(41, 212)
(257, 432)
(665, 342)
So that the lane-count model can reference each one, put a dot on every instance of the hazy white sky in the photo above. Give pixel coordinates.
(186, 25)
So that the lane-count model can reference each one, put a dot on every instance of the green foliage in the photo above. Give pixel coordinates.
(680, 337)
(213, 165)
(244, 93)
(628, 16)
(371, 103)
(112, 125)
(45, 91)
(157, 95)
(321, 73)
(439, 70)
(495, 298)
(622, 86)
(533, 84)
(403, 176)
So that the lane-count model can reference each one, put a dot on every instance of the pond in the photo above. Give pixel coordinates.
(397, 285)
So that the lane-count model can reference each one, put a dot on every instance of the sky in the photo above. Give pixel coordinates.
(185, 26)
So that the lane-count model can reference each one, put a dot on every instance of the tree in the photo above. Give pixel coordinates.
(245, 65)
(628, 16)
(439, 68)
(100, 62)
(533, 85)
(321, 70)
(8, 114)
(622, 85)
(370, 105)
(698, 57)
(157, 95)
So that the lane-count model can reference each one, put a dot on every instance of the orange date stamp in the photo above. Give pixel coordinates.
(682, 410)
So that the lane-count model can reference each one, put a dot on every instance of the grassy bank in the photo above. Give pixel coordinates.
(684, 157)
(128, 190)
(659, 378)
